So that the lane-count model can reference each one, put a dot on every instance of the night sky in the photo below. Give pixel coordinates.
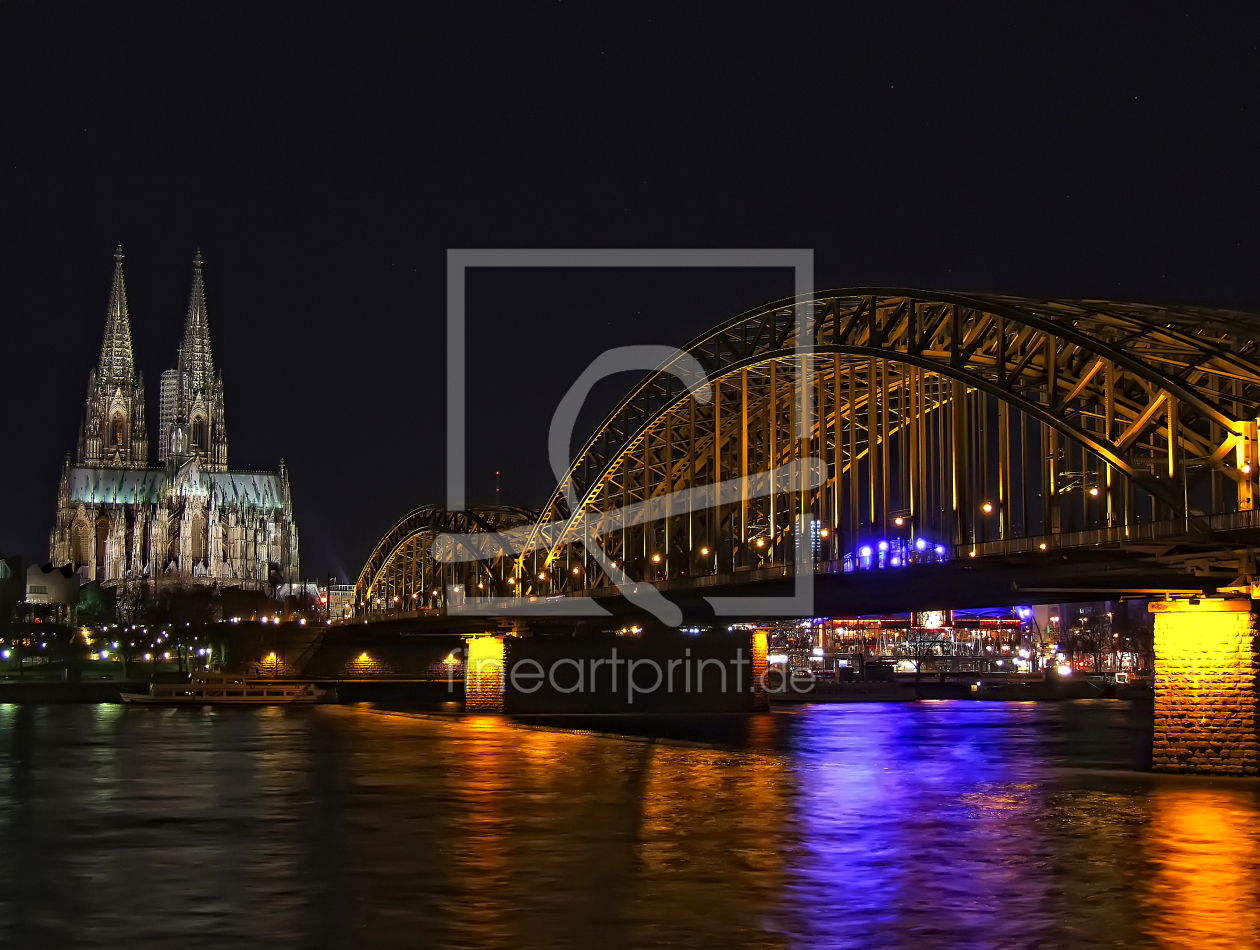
(324, 162)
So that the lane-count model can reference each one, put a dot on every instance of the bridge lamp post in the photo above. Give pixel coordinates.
(704, 554)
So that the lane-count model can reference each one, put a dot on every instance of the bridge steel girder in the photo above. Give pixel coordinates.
(402, 563)
(1142, 394)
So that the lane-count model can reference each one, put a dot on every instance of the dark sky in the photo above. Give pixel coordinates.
(325, 161)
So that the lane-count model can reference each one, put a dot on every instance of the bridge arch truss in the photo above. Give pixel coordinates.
(962, 420)
(402, 575)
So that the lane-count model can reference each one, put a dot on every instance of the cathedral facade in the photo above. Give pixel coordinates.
(190, 520)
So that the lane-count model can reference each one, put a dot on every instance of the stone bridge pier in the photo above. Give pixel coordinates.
(1205, 687)
(659, 672)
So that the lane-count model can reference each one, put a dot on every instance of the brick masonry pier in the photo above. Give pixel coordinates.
(1205, 687)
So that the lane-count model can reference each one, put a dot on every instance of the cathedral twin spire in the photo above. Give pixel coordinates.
(116, 359)
(195, 357)
(113, 433)
(192, 394)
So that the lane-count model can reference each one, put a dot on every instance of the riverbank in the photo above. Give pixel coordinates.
(108, 691)
(1049, 690)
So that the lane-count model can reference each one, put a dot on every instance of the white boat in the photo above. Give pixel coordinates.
(228, 690)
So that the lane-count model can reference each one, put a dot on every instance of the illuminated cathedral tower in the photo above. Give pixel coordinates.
(192, 394)
(190, 522)
(112, 434)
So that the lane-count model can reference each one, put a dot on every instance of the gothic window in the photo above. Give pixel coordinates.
(102, 539)
(199, 434)
(116, 431)
(81, 544)
(198, 527)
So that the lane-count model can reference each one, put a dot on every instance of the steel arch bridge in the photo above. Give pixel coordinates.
(949, 424)
(401, 573)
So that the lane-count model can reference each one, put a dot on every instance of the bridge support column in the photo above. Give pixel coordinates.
(484, 675)
(1206, 662)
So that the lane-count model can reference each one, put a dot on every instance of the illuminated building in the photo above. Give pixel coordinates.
(340, 601)
(191, 521)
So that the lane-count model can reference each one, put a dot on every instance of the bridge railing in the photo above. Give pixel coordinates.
(1195, 527)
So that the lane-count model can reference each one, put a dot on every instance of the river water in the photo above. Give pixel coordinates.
(946, 824)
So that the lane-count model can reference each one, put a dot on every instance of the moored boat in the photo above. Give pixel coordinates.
(226, 689)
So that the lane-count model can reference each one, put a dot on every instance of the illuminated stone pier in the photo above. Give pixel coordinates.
(1205, 687)
(483, 675)
(658, 672)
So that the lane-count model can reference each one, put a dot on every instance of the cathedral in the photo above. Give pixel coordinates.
(189, 520)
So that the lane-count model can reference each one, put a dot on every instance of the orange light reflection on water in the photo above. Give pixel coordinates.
(1203, 844)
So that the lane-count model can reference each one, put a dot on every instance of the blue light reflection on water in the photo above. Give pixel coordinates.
(911, 826)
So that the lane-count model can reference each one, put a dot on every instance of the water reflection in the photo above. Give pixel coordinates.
(1206, 892)
(924, 825)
